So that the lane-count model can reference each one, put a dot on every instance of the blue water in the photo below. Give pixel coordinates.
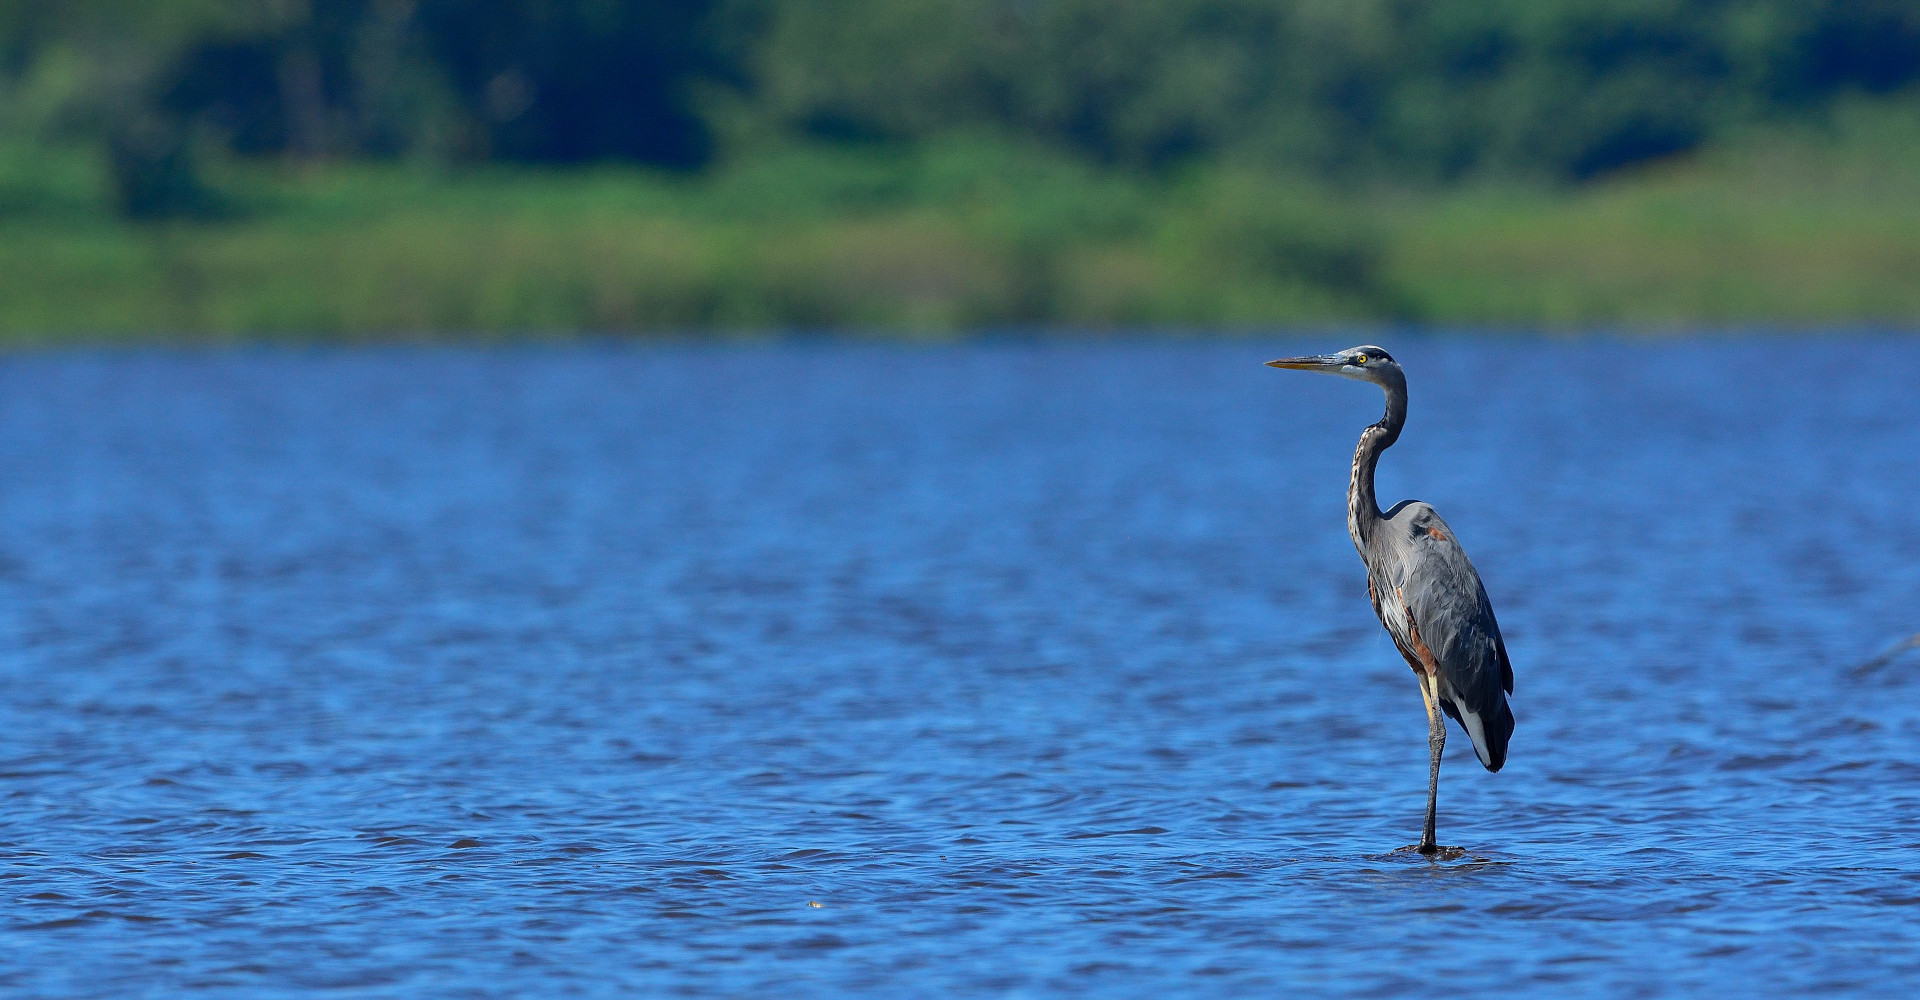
(1044, 669)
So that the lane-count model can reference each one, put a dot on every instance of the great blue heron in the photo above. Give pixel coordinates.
(1423, 588)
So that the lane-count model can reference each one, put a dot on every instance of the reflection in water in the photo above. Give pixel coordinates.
(1041, 668)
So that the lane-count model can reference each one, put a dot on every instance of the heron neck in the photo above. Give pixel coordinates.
(1363, 510)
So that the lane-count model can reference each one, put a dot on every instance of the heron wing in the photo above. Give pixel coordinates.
(1447, 609)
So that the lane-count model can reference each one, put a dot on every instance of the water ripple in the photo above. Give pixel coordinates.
(1034, 668)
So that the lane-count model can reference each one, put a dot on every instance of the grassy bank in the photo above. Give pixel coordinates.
(1808, 227)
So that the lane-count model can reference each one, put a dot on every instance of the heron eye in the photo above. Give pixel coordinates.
(1359, 359)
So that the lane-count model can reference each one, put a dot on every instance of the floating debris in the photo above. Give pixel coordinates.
(1888, 655)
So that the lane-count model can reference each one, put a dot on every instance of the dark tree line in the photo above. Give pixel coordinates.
(1440, 88)
(1430, 91)
(510, 79)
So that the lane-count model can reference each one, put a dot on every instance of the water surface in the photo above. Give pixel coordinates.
(1044, 669)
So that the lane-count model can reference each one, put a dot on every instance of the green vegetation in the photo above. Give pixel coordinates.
(370, 167)
(1778, 228)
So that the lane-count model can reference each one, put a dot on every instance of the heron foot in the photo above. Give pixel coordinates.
(1434, 852)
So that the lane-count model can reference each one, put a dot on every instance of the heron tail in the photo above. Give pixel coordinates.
(1489, 729)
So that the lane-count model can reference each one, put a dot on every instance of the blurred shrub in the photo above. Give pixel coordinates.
(1437, 90)
(153, 171)
(1349, 92)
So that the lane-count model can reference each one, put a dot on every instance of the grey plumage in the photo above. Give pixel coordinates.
(1414, 556)
(1423, 587)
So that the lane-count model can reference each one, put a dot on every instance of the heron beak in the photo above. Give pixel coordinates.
(1316, 363)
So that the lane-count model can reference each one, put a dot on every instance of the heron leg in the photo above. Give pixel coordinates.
(1436, 745)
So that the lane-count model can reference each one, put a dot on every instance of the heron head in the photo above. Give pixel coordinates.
(1366, 363)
